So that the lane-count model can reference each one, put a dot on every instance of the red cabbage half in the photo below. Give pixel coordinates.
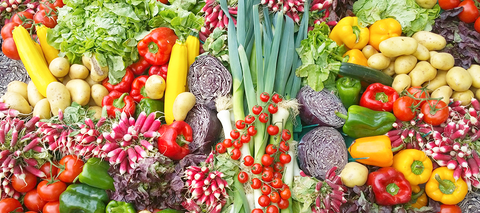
(206, 128)
(321, 149)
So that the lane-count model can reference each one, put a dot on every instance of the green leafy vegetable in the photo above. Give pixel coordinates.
(304, 192)
(411, 16)
(180, 20)
(321, 58)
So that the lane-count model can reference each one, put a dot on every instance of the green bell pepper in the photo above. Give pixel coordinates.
(120, 207)
(148, 106)
(349, 90)
(364, 122)
(82, 198)
(95, 173)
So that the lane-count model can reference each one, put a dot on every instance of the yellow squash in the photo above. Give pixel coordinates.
(33, 60)
(193, 46)
(176, 78)
(49, 51)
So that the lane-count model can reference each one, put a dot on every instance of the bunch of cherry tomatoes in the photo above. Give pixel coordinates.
(470, 13)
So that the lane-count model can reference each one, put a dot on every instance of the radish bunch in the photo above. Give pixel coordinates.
(410, 135)
(215, 18)
(206, 188)
(331, 193)
(292, 7)
(20, 149)
(9, 7)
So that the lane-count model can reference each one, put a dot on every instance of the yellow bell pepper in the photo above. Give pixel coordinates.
(49, 51)
(375, 150)
(355, 56)
(348, 32)
(176, 78)
(383, 29)
(419, 198)
(193, 46)
(443, 187)
(414, 164)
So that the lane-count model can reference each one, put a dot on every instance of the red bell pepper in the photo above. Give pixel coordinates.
(390, 186)
(171, 136)
(379, 97)
(159, 70)
(117, 101)
(124, 85)
(138, 88)
(140, 66)
(157, 45)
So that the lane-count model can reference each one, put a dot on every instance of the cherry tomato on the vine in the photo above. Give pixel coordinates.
(404, 108)
(240, 124)
(257, 168)
(285, 193)
(220, 148)
(8, 205)
(251, 131)
(272, 108)
(271, 149)
(277, 175)
(51, 191)
(272, 209)
(73, 167)
(267, 160)
(33, 201)
(9, 49)
(285, 158)
(470, 11)
(24, 182)
(248, 160)
(418, 93)
(257, 211)
(272, 129)
(268, 168)
(49, 19)
(277, 183)
(249, 119)
(286, 134)
(256, 183)
(23, 18)
(263, 117)
(284, 147)
(49, 170)
(245, 138)
(264, 201)
(277, 166)
(274, 197)
(7, 30)
(264, 97)
(235, 134)
(257, 109)
(266, 189)
(267, 176)
(283, 203)
(276, 98)
(448, 4)
(435, 112)
(237, 144)
(242, 177)
(48, 5)
(236, 154)
(227, 143)
(477, 25)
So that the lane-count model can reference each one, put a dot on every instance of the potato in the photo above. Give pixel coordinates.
(397, 46)
(405, 63)
(477, 94)
(66, 79)
(98, 92)
(422, 53)
(378, 61)
(444, 92)
(155, 87)
(369, 51)
(422, 72)
(464, 97)
(431, 41)
(427, 4)
(401, 82)
(97, 110)
(34, 96)
(90, 81)
(390, 70)
(42, 109)
(183, 103)
(474, 71)
(59, 67)
(97, 73)
(354, 174)
(442, 61)
(18, 87)
(79, 90)
(438, 81)
(17, 102)
(459, 79)
(78, 71)
(58, 96)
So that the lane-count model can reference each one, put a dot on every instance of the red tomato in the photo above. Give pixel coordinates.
(257, 211)
(477, 25)
(276, 98)
(8, 205)
(236, 154)
(264, 201)
(23, 18)
(257, 109)
(448, 4)
(73, 167)
(402, 108)
(450, 209)
(285, 194)
(435, 112)
(272, 130)
(266, 189)
(257, 168)
(251, 130)
(277, 183)
(272, 209)
(264, 96)
(267, 160)
(267, 176)
(263, 117)
(49, 170)
(283, 204)
(248, 160)
(48, 5)
(33, 201)
(278, 166)
(256, 183)
(52, 207)
(51, 192)
(274, 197)
(285, 158)
(49, 19)
(9, 49)
(418, 93)
(7, 30)
(24, 184)
(270, 149)
(163, 1)
(220, 148)
(469, 13)
(31, 212)
(242, 177)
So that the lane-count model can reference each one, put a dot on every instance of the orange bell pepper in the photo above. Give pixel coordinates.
(375, 150)
(383, 29)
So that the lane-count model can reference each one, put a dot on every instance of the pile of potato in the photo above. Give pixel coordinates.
(414, 61)
(76, 83)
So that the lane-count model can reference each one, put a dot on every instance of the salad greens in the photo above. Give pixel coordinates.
(411, 16)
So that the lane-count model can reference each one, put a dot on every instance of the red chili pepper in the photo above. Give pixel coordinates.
(159, 70)
(379, 97)
(117, 101)
(157, 45)
(170, 134)
(140, 66)
(138, 88)
(390, 186)
(124, 85)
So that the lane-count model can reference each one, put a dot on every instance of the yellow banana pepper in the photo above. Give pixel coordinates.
(356, 56)
(419, 198)
(443, 187)
(49, 51)
(348, 32)
(383, 29)
(176, 78)
(414, 164)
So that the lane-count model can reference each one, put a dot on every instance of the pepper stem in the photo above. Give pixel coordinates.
(417, 167)
(393, 189)
(445, 186)
(348, 82)
(119, 103)
(417, 195)
(381, 96)
(152, 47)
(398, 148)
(340, 115)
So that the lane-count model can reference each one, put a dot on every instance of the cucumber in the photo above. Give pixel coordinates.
(364, 73)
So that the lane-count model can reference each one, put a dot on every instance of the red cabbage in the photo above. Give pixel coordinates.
(206, 128)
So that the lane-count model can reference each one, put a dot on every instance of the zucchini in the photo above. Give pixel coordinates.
(365, 74)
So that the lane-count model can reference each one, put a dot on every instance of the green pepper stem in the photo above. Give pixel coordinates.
(417, 167)
(340, 115)
(381, 96)
(398, 148)
(119, 103)
(392, 189)
(153, 47)
(415, 196)
(445, 186)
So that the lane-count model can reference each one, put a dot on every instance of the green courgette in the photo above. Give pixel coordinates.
(365, 74)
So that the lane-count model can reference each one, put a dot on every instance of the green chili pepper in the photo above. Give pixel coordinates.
(349, 90)
(364, 122)
(148, 106)
(120, 207)
(95, 173)
(82, 198)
